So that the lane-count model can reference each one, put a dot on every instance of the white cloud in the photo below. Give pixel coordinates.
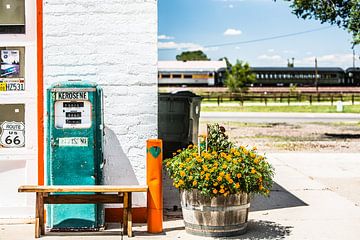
(231, 6)
(289, 51)
(232, 32)
(270, 57)
(165, 37)
(335, 60)
(175, 45)
(271, 50)
(185, 46)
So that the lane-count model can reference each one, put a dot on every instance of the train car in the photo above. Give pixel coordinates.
(191, 73)
(300, 76)
(353, 76)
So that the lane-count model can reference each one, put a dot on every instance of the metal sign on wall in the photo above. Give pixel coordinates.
(12, 69)
(12, 125)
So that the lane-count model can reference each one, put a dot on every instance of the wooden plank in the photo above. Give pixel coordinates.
(83, 198)
(84, 188)
(129, 214)
(125, 214)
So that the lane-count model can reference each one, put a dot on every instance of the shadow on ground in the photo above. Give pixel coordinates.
(264, 230)
(279, 198)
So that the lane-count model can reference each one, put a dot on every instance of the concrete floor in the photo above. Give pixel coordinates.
(316, 196)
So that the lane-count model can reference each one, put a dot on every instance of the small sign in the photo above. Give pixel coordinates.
(72, 96)
(9, 63)
(13, 134)
(74, 141)
(12, 84)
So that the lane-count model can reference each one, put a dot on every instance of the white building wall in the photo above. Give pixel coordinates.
(113, 43)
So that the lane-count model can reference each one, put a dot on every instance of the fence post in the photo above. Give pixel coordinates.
(352, 99)
(218, 100)
(289, 99)
(310, 99)
(332, 100)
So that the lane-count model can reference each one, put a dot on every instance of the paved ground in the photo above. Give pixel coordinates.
(316, 196)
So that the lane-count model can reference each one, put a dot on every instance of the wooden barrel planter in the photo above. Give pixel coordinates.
(214, 216)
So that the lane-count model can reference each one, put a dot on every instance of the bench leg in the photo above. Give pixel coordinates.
(125, 214)
(37, 216)
(41, 213)
(129, 218)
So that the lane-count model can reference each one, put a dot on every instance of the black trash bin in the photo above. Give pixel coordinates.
(178, 120)
(178, 126)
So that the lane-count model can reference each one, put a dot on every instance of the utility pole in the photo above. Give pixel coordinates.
(354, 59)
(316, 76)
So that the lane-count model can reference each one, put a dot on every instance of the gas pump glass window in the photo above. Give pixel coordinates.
(12, 16)
(73, 114)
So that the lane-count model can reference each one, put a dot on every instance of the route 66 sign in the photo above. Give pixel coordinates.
(13, 134)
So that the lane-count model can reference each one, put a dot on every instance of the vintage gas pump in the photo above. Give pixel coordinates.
(75, 150)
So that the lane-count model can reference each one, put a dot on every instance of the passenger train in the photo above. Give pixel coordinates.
(212, 73)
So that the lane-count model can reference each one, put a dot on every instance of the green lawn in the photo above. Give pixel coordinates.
(306, 109)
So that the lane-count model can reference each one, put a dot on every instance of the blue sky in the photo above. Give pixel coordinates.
(201, 24)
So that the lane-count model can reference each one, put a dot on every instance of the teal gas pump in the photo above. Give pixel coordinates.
(75, 150)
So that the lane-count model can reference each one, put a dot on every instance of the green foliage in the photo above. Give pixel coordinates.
(218, 141)
(239, 77)
(344, 13)
(228, 64)
(220, 168)
(192, 56)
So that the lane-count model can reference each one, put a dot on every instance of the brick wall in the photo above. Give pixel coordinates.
(113, 43)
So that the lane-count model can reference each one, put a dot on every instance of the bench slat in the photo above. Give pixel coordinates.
(84, 188)
(83, 198)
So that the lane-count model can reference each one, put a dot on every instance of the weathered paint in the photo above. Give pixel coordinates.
(75, 164)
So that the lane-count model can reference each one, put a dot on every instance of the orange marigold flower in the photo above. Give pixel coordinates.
(182, 173)
(191, 177)
(224, 166)
(219, 178)
(253, 171)
(215, 184)
(238, 175)
(181, 182)
(221, 174)
(179, 150)
(261, 187)
(215, 191)
(226, 193)
(222, 186)
(202, 173)
(252, 155)
(222, 190)
(231, 181)
(237, 185)
(194, 183)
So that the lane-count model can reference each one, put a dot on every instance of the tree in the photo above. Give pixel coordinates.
(228, 64)
(239, 77)
(344, 13)
(192, 56)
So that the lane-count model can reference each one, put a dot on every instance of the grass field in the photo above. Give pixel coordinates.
(305, 109)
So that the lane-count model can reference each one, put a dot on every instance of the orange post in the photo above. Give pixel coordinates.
(154, 182)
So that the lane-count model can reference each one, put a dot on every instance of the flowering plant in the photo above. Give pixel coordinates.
(217, 167)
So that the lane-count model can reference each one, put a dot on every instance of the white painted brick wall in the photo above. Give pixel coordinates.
(113, 43)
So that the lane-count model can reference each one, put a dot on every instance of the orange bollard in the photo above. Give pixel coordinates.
(154, 182)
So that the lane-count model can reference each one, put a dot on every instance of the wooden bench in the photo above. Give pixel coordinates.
(120, 194)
